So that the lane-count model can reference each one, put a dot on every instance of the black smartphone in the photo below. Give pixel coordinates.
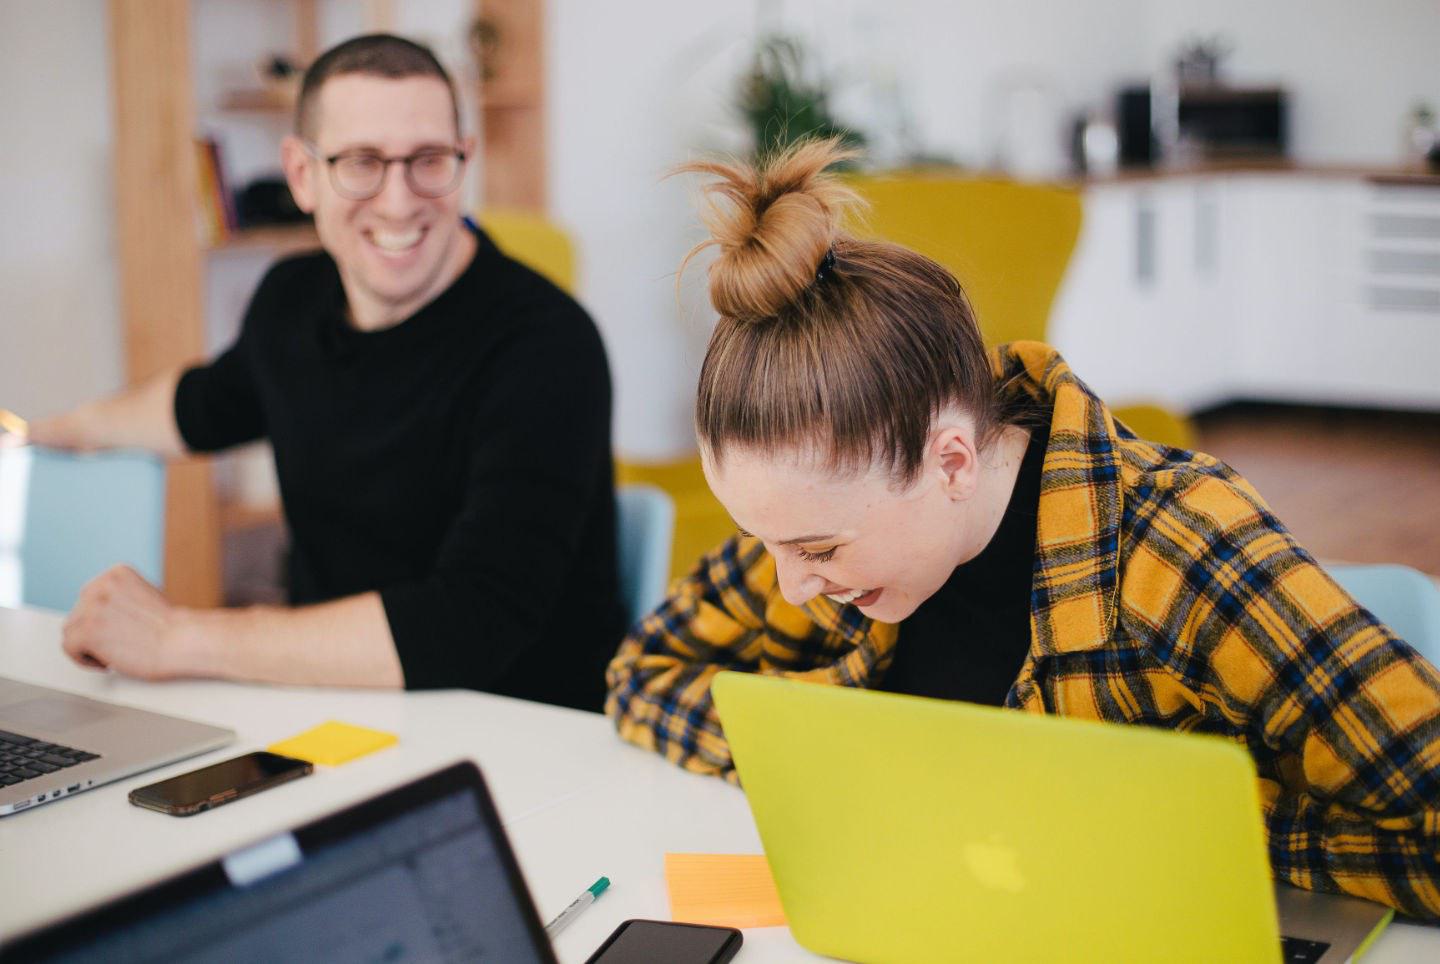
(219, 783)
(648, 941)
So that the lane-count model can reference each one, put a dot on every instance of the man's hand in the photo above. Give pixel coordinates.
(121, 622)
(142, 417)
(62, 432)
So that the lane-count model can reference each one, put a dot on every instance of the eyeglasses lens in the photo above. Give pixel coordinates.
(429, 174)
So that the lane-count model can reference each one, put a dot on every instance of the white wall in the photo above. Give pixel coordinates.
(59, 320)
(1354, 70)
(954, 65)
(630, 97)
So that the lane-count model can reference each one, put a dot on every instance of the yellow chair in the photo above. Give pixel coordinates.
(1009, 245)
(535, 242)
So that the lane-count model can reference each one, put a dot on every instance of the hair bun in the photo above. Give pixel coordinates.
(773, 223)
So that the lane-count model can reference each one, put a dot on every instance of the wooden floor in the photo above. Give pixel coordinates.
(1354, 486)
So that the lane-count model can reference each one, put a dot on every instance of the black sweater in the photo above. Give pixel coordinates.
(459, 463)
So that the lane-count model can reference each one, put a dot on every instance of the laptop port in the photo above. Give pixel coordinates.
(73, 788)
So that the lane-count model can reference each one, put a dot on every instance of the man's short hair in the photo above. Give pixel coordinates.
(376, 54)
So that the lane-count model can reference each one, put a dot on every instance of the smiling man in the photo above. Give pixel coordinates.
(441, 423)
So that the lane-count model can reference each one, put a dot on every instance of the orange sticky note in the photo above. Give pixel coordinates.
(727, 890)
(333, 743)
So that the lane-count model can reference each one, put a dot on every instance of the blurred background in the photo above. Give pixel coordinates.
(1226, 215)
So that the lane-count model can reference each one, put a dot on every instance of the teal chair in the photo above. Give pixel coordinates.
(1405, 599)
(646, 526)
(66, 518)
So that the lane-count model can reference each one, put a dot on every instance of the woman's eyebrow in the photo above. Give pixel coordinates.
(798, 540)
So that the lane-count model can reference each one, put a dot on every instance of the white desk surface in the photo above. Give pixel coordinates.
(576, 802)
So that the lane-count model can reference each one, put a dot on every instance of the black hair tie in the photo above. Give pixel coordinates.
(827, 264)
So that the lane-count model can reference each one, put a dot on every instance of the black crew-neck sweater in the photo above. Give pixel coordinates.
(969, 640)
(458, 462)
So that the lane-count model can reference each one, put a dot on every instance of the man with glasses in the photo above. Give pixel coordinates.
(441, 423)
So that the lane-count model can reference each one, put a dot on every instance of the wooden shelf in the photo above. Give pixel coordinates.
(509, 102)
(162, 269)
(282, 238)
(511, 105)
(260, 100)
(239, 516)
(508, 94)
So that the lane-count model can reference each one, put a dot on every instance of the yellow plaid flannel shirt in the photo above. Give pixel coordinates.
(1165, 593)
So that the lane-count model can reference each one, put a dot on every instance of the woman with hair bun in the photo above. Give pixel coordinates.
(923, 516)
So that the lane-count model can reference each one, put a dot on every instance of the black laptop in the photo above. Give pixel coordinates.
(422, 873)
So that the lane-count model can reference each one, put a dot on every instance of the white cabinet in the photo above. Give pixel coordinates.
(1286, 237)
(1140, 314)
(1191, 291)
(1387, 333)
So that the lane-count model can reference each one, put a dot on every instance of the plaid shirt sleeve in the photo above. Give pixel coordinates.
(1341, 716)
(728, 614)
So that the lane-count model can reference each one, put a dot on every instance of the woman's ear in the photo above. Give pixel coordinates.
(953, 455)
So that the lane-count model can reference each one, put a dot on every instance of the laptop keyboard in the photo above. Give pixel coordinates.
(1297, 950)
(23, 758)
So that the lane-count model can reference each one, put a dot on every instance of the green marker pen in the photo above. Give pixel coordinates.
(586, 898)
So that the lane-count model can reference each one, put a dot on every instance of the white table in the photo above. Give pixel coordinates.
(558, 770)
(576, 802)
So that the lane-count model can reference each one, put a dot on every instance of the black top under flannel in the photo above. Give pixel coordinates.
(969, 640)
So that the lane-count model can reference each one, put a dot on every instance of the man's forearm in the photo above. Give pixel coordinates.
(141, 417)
(342, 643)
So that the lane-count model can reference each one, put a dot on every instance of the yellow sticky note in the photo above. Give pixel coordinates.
(727, 890)
(333, 743)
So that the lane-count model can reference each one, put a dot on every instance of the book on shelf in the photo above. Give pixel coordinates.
(217, 214)
(223, 185)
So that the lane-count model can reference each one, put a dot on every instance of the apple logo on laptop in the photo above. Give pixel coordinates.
(994, 864)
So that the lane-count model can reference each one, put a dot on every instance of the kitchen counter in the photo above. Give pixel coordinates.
(1402, 175)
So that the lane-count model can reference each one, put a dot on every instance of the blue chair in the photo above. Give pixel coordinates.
(65, 518)
(646, 526)
(1404, 599)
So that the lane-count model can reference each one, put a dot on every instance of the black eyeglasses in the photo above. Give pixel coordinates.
(359, 175)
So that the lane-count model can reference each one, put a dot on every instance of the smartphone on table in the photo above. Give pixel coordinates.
(220, 783)
(649, 941)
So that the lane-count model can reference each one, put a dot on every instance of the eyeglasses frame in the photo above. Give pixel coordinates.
(405, 162)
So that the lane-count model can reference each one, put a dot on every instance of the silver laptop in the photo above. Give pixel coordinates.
(53, 744)
(1327, 928)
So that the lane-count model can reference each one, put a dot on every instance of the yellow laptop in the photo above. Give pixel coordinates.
(907, 829)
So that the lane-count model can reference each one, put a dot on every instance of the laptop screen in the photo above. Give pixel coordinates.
(420, 874)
